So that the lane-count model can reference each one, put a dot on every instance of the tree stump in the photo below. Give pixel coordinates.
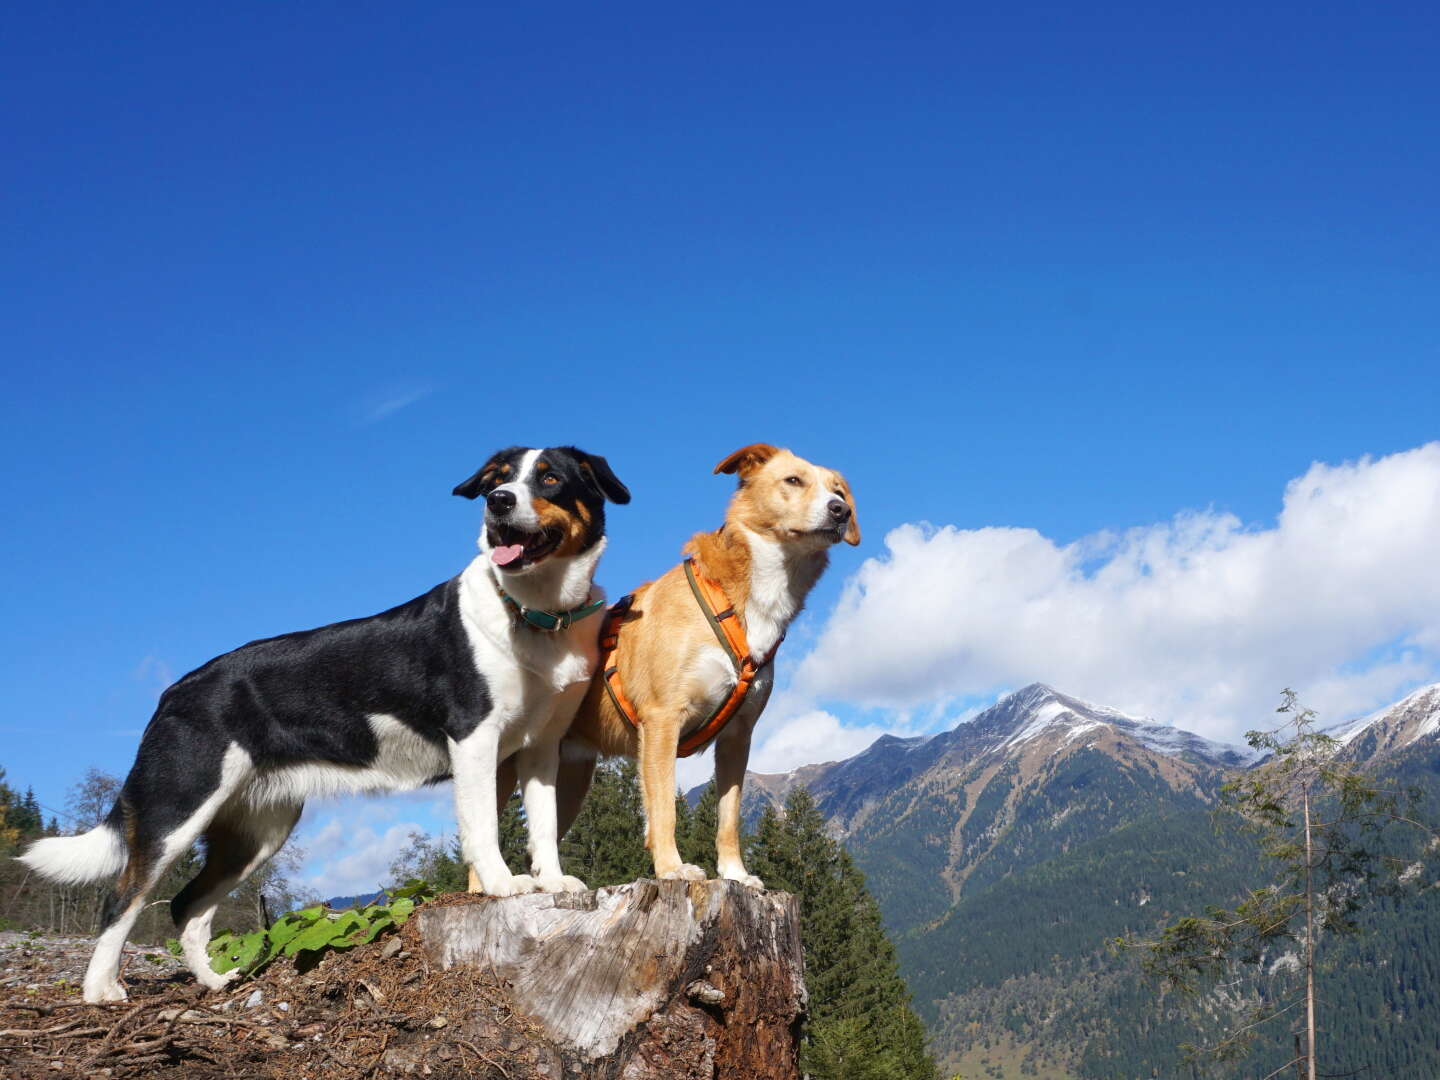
(669, 979)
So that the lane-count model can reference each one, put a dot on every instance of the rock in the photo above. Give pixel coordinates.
(255, 999)
(626, 982)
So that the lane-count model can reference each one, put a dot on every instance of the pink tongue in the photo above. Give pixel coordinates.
(504, 556)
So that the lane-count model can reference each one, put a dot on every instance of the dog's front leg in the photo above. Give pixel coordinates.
(504, 788)
(538, 765)
(732, 754)
(657, 788)
(473, 761)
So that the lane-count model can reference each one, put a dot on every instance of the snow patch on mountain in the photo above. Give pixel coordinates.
(1413, 717)
(1052, 712)
(1042, 709)
(1081, 729)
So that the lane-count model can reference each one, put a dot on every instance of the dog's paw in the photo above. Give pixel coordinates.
(211, 981)
(750, 881)
(515, 885)
(102, 992)
(684, 872)
(562, 883)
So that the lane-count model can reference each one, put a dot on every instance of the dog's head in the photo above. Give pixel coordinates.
(541, 505)
(786, 498)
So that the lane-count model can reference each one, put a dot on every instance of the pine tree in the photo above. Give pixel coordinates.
(1323, 823)
(9, 831)
(696, 838)
(514, 836)
(606, 844)
(861, 1024)
(27, 816)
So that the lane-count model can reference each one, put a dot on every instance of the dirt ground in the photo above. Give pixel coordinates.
(376, 1010)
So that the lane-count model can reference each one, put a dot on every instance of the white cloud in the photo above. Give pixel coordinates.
(155, 674)
(377, 406)
(810, 737)
(343, 859)
(350, 843)
(691, 772)
(1198, 621)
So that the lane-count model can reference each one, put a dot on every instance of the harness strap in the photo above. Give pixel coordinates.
(721, 616)
(609, 667)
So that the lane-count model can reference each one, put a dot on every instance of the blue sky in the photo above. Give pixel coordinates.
(274, 279)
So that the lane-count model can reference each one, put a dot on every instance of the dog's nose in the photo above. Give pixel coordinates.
(500, 501)
(839, 510)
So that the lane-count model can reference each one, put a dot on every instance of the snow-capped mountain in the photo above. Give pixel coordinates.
(1393, 728)
(1034, 726)
(1006, 851)
(1041, 714)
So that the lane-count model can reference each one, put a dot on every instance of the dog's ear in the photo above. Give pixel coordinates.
(747, 459)
(485, 477)
(852, 534)
(600, 476)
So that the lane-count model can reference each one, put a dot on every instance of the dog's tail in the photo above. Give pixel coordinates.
(73, 860)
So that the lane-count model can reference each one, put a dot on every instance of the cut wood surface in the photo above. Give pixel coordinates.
(651, 979)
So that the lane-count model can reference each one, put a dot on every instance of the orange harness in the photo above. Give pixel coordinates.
(722, 619)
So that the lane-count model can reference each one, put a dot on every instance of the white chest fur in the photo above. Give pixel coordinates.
(525, 669)
(779, 583)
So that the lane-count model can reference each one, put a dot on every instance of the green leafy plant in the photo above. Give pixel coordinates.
(307, 933)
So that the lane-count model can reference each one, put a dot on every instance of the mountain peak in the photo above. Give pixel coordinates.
(1413, 717)
(1038, 713)
(1037, 693)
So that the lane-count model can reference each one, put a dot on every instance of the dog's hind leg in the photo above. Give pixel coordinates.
(572, 783)
(236, 844)
(166, 805)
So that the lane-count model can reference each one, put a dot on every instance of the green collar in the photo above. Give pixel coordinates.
(552, 621)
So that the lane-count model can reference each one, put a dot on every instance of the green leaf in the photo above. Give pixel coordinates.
(368, 933)
(400, 910)
(286, 928)
(240, 952)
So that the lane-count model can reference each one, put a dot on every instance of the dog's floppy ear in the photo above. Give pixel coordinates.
(600, 476)
(852, 534)
(485, 477)
(747, 459)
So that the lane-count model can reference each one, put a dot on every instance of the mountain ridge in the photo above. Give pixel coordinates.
(1005, 851)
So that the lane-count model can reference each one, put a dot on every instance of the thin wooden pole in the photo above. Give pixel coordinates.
(1309, 945)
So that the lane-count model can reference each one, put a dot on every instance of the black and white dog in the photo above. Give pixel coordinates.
(490, 664)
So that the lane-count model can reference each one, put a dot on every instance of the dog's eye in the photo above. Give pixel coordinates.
(550, 479)
(795, 480)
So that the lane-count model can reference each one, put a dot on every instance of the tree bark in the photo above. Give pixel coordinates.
(1309, 946)
(667, 979)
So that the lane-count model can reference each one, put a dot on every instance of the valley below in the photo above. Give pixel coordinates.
(1009, 853)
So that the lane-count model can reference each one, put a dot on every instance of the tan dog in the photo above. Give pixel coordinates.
(773, 547)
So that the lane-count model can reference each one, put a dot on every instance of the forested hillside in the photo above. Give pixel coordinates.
(1007, 853)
